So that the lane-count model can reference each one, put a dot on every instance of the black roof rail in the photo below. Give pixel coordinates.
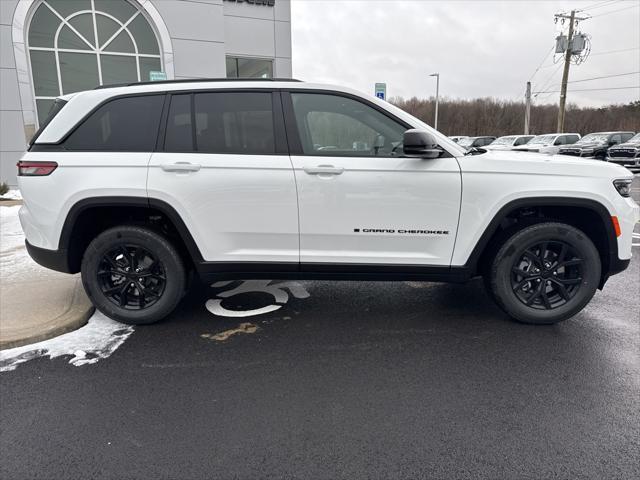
(198, 80)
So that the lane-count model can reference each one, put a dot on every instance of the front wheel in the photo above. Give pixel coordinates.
(133, 275)
(545, 273)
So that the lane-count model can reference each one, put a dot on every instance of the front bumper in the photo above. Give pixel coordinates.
(625, 162)
(57, 260)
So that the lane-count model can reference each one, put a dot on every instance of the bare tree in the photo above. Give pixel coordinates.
(491, 116)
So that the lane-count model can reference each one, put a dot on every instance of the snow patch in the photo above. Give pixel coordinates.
(12, 195)
(98, 339)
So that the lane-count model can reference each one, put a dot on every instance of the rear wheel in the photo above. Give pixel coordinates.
(133, 275)
(544, 273)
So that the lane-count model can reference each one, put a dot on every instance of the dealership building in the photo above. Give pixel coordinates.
(50, 48)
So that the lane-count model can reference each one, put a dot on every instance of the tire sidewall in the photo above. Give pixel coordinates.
(155, 244)
(513, 249)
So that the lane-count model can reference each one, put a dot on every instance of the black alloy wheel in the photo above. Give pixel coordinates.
(544, 273)
(133, 274)
(131, 277)
(547, 275)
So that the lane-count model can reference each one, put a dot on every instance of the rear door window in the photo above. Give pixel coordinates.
(234, 122)
(127, 124)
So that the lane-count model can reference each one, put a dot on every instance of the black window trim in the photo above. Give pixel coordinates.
(293, 135)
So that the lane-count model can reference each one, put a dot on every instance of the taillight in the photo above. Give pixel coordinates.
(35, 169)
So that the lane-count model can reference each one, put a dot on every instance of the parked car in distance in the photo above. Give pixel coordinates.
(457, 138)
(626, 154)
(595, 145)
(137, 186)
(475, 142)
(508, 142)
(548, 143)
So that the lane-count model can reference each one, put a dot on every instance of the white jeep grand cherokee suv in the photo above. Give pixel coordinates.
(135, 186)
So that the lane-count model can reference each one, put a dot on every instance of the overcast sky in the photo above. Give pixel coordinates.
(481, 48)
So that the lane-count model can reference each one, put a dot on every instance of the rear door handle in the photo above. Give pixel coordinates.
(324, 169)
(180, 167)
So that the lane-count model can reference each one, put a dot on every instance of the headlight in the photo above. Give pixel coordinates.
(588, 150)
(623, 186)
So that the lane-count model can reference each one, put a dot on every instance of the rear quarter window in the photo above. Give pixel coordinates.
(58, 104)
(126, 124)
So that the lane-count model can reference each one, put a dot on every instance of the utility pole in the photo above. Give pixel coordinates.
(567, 61)
(527, 108)
(437, 75)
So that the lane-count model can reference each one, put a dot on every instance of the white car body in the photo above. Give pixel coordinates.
(550, 143)
(512, 142)
(305, 209)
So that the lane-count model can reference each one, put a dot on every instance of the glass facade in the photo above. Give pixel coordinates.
(242, 67)
(79, 44)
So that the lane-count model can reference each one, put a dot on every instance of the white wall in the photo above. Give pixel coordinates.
(12, 135)
(201, 33)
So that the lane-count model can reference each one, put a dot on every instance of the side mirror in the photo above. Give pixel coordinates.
(420, 144)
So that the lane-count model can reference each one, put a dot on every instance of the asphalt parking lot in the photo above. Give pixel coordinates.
(340, 380)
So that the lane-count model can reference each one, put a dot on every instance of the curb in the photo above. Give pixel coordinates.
(76, 316)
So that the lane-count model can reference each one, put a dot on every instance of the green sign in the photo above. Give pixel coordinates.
(157, 76)
(381, 91)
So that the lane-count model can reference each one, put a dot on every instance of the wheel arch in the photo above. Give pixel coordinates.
(90, 216)
(589, 215)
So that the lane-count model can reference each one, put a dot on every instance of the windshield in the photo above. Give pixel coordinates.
(542, 139)
(466, 142)
(594, 138)
(634, 139)
(503, 141)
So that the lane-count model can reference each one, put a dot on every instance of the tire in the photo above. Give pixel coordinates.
(143, 297)
(521, 276)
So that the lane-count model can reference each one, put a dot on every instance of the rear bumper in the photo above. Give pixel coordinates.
(52, 259)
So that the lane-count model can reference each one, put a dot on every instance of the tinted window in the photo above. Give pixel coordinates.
(128, 124)
(615, 139)
(53, 111)
(572, 139)
(179, 135)
(249, 68)
(522, 140)
(234, 123)
(340, 126)
(627, 136)
(561, 140)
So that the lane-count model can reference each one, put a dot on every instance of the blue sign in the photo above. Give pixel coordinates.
(381, 90)
(380, 95)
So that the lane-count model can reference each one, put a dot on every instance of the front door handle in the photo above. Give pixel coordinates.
(180, 167)
(323, 169)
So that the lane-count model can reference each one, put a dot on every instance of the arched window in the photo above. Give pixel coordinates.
(78, 44)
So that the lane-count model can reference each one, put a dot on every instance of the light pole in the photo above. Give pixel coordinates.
(437, 75)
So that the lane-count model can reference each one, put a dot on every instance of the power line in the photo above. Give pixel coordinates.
(543, 60)
(605, 76)
(614, 11)
(593, 89)
(598, 5)
(547, 82)
(615, 51)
